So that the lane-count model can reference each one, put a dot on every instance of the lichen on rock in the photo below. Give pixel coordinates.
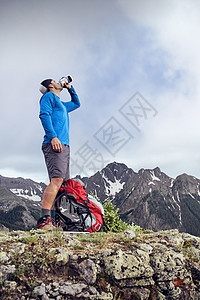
(60, 265)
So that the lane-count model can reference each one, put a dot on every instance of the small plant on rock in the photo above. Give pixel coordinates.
(112, 219)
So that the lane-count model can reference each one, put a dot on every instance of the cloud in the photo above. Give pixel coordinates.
(174, 28)
(147, 46)
(48, 39)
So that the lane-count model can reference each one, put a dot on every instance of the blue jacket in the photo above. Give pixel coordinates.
(54, 116)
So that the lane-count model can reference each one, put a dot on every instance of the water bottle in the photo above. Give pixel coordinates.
(65, 79)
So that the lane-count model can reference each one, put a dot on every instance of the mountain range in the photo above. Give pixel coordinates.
(148, 198)
(20, 202)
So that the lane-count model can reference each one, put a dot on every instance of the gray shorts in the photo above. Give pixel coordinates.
(57, 162)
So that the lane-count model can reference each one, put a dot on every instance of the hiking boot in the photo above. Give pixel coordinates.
(46, 223)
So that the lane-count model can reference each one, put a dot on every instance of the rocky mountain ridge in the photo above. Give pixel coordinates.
(25, 188)
(20, 202)
(128, 265)
(148, 198)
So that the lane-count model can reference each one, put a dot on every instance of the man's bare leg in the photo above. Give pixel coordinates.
(51, 192)
(48, 201)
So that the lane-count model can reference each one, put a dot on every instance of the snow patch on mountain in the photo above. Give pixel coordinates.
(153, 176)
(115, 187)
(112, 187)
(151, 182)
(24, 193)
(191, 195)
(179, 208)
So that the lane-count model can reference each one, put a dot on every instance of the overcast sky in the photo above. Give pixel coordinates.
(135, 66)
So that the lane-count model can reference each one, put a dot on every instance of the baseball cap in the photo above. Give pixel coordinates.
(44, 85)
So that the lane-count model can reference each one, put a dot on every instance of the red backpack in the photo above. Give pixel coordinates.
(75, 210)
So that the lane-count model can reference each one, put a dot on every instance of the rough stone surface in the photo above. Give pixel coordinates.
(3, 257)
(87, 270)
(72, 289)
(61, 255)
(51, 265)
(6, 270)
(128, 265)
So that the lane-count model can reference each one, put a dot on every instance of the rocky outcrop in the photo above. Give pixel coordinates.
(129, 265)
